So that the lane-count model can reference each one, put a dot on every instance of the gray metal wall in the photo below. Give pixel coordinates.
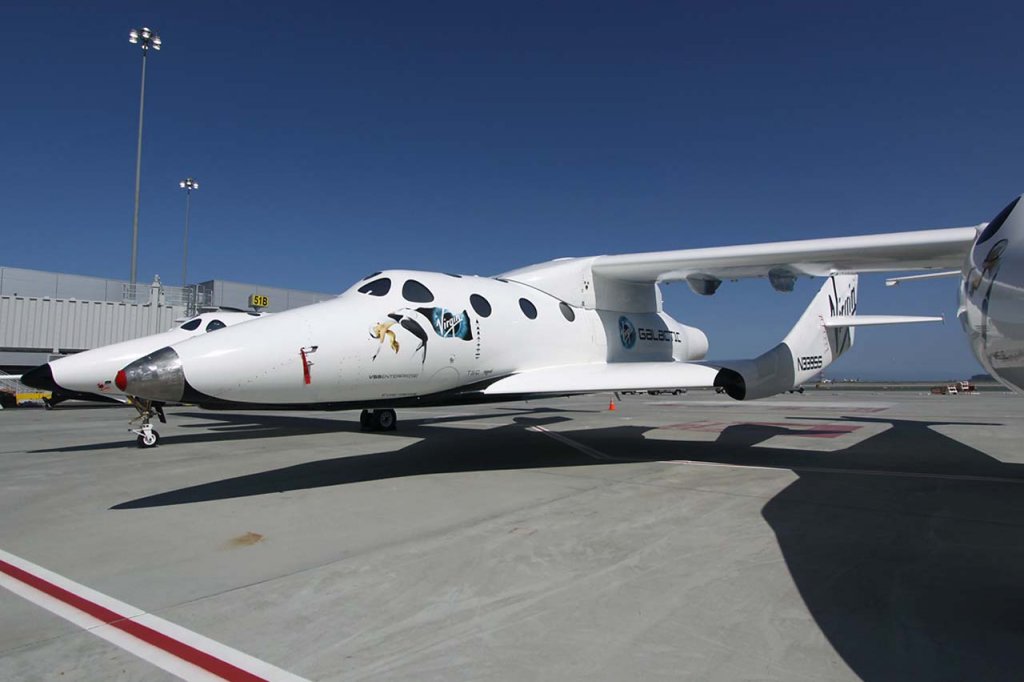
(19, 282)
(43, 313)
(236, 295)
(70, 325)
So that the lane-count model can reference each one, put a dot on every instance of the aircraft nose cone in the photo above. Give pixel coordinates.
(158, 376)
(40, 377)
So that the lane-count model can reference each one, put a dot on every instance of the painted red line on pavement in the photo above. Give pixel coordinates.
(801, 430)
(161, 641)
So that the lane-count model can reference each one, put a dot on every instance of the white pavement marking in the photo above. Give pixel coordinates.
(597, 454)
(585, 449)
(180, 652)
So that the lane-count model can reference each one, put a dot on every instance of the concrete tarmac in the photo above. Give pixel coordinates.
(820, 536)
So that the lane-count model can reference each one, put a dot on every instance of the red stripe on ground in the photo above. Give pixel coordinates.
(802, 430)
(161, 641)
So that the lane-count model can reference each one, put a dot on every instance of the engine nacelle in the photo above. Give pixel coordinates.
(696, 343)
(767, 375)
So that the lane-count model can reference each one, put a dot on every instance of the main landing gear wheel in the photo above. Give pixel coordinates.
(378, 420)
(384, 420)
(148, 440)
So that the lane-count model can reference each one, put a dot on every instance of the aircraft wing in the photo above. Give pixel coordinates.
(925, 249)
(596, 377)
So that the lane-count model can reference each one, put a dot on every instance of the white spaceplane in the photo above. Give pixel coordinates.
(404, 338)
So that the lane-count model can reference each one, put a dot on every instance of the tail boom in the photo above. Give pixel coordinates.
(811, 345)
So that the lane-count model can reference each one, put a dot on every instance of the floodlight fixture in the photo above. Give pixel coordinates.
(188, 184)
(145, 38)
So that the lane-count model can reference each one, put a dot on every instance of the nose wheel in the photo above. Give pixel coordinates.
(146, 437)
(378, 420)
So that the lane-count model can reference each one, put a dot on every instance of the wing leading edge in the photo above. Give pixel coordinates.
(626, 282)
(925, 249)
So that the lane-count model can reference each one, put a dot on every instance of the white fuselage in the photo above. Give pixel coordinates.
(93, 371)
(402, 334)
(992, 297)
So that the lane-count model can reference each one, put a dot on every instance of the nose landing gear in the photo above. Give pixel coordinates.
(147, 409)
(378, 420)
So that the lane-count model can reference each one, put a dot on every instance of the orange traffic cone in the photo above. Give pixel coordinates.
(611, 405)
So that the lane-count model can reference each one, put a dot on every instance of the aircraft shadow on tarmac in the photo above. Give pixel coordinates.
(907, 548)
(229, 426)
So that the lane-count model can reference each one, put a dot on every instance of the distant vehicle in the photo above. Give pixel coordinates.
(958, 388)
(9, 390)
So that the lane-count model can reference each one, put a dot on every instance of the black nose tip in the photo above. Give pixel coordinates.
(41, 377)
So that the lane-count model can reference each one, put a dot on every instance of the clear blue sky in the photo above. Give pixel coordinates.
(334, 139)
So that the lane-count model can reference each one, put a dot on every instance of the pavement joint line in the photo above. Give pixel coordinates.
(637, 480)
(597, 454)
(855, 472)
(585, 449)
(179, 651)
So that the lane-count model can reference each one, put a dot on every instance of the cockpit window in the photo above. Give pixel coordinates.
(414, 292)
(215, 325)
(567, 311)
(192, 325)
(378, 287)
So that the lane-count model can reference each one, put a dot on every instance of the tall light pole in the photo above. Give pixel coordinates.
(144, 38)
(188, 184)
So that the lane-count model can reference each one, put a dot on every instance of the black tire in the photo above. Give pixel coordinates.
(365, 420)
(141, 442)
(384, 420)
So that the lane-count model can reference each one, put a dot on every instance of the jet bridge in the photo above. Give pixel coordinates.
(48, 314)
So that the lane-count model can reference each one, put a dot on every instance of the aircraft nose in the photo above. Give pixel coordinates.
(40, 377)
(158, 376)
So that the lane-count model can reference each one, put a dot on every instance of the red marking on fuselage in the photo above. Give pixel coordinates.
(305, 366)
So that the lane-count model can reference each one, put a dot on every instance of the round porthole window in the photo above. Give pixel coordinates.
(480, 305)
(528, 308)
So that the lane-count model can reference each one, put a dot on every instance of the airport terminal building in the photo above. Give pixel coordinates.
(44, 315)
